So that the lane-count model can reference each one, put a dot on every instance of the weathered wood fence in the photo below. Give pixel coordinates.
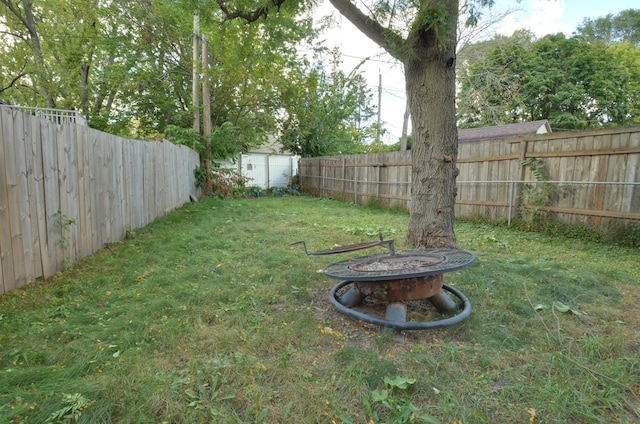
(595, 176)
(67, 190)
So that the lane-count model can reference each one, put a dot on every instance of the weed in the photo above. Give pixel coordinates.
(392, 405)
(537, 196)
(208, 397)
(73, 407)
(64, 223)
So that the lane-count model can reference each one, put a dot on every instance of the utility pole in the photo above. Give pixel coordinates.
(206, 110)
(379, 105)
(196, 60)
(405, 124)
(206, 96)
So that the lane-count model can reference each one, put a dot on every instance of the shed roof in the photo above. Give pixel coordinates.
(503, 131)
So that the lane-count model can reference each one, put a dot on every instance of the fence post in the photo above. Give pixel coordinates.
(511, 196)
(355, 191)
(344, 193)
(514, 211)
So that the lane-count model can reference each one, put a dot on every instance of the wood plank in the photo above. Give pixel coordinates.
(126, 187)
(616, 170)
(21, 129)
(632, 192)
(599, 173)
(13, 132)
(66, 213)
(138, 175)
(591, 213)
(32, 245)
(118, 229)
(95, 173)
(108, 193)
(7, 275)
(71, 158)
(51, 195)
(85, 244)
(149, 183)
(37, 202)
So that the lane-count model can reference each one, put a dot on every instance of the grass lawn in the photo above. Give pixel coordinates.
(208, 316)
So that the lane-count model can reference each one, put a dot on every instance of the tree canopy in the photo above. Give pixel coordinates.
(625, 26)
(574, 82)
(127, 66)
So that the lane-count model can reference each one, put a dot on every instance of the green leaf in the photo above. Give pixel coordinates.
(379, 395)
(399, 382)
(561, 307)
(429, 419)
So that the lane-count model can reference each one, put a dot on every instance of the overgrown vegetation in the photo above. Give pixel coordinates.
(207, 315)
(535, 197)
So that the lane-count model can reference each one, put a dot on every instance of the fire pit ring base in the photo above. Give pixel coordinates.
(464, 313)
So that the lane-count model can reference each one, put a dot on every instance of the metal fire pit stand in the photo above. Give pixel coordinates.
(399, 324)
(389, 273)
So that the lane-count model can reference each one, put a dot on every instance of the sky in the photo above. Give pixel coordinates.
(540, 16)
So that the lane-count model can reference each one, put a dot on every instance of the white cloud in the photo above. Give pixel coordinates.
(542, 17)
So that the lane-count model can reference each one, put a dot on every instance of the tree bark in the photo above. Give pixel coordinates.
(428, 55)
(431, 92)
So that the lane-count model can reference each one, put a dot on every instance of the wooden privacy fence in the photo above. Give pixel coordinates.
(593, 176)
(68, 190)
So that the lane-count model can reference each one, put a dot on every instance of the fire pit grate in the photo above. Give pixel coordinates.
(403, 264)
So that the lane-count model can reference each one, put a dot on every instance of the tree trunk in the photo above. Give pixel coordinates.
(430, 81)
(428, 55)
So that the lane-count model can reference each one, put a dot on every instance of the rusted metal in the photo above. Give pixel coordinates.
(397, 323)
(401, 265)
(399, 278)
(350, 247)
(401, 290)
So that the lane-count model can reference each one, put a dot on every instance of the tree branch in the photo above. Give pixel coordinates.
(14, 80)
(16, 12)
(249, 16)
(382, 36)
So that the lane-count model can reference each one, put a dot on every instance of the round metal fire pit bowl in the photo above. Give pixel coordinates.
(464, 307)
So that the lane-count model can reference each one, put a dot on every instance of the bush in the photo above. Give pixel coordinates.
(627, 235)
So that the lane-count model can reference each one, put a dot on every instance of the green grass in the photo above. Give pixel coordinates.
(207, 315)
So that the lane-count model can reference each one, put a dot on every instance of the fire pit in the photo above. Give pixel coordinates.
(397, 278)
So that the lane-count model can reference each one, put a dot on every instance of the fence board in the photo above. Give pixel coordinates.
(633, 164)
(95, 170)
(6, 257)
(85, 243)
(15, 198)
(32, 252)
(36, 198)
(24, 128)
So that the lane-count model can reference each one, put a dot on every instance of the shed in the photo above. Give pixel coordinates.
(267, 166)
